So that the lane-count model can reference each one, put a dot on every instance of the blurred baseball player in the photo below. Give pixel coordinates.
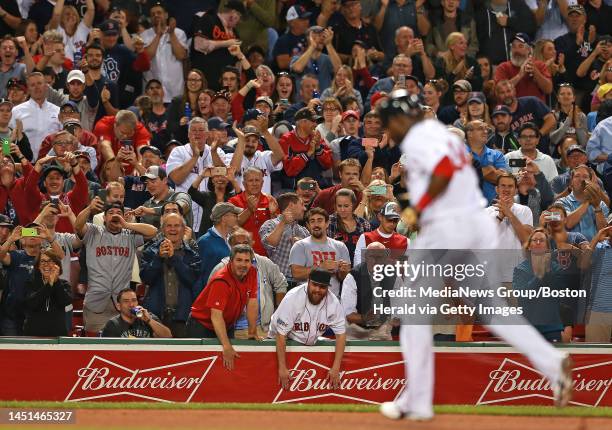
(303, 315)
(441, 181)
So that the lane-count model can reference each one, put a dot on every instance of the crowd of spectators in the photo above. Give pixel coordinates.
(201, 158)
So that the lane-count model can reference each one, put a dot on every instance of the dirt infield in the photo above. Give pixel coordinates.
(286, 420)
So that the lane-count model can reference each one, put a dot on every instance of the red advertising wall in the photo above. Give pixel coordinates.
(196, 374)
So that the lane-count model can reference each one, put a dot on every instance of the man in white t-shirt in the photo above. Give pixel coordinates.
(247, 155)
(318, 250)
(515, 223)
(186, 162)
(303, 315)
(167, 47)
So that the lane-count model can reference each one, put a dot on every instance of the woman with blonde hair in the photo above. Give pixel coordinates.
(74, 30)
(454, 64)
(375, 195)
(342, 86)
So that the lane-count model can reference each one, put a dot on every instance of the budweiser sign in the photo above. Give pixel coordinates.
(104, 379)
(373, 384)
(514, 381)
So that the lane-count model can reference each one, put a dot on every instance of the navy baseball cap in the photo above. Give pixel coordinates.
(110, 27)
(522, 37)
(216, 123)
(70, 104)
(501, 110)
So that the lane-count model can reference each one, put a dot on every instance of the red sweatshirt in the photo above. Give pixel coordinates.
(77, 198)
(105, 130)
(17, 195)
(296, 158)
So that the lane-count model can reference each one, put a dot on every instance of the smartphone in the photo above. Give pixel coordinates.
(284, 101)
(127, 143)
(378, 190)
(552, 216)
(6, 147)
(401, 81)
(307, 186)
(29, 232)
(517, 162)
(54, 201)
(218, 171)
(71, 128)
(103, 194)
(369, 142)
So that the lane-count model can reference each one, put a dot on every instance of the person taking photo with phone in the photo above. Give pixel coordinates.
(529, 138)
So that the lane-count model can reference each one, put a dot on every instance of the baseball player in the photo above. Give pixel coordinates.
(442, 181)
(303, 315)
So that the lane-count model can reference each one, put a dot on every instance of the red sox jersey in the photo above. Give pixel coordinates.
(300, 320)
(425, 145)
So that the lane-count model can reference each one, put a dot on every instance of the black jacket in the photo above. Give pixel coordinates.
(45, 314)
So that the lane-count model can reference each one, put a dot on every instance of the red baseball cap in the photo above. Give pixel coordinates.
(350, 113)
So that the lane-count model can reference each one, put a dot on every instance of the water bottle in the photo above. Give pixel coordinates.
(78, 56)
(188, 111)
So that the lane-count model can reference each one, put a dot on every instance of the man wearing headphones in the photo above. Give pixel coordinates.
(305, 313)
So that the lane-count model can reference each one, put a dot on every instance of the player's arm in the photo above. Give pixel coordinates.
(281, 349)
(334, 372)
(440, 178)
(229, 353)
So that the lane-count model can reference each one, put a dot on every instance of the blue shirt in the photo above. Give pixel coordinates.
(600, 142)
(601, 284)
(212, 248)
(587, 224)
(489, 157)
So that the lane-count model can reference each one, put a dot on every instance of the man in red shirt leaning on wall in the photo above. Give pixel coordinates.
(222, 301)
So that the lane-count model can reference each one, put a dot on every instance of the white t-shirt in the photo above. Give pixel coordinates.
(76, 41)
(300, 320)
(177, 158)
(508, 239)
(426, 144)
(165, 66)
(263, 161)
(308, 253)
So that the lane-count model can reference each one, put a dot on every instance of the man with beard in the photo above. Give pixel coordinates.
(503, 139)
(156, 121)
(110, 252)
(305, 313)
(216, 310)
(461, 91)
(321, 251)
(586, 212)
(81, 92)
(530, 77)
(526, 109)
(247, 155)
(92, 67)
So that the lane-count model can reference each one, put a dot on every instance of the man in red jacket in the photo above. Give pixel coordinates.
(223, 300)
(52, 176)
(389, 217)
(119, 136)
(306, 152)
(13, 202)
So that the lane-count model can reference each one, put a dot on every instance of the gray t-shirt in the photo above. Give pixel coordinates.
(110, 258)
(307, 252)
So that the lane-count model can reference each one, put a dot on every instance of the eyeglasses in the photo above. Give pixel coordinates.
(46, 261)
(283, 74)
(433, 81)
(69, 110)
(62, 143)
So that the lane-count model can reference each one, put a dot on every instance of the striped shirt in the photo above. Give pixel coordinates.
(601, 283)
(280, 253)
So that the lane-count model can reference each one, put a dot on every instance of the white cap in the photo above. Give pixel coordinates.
(76, 74)
(296, 12)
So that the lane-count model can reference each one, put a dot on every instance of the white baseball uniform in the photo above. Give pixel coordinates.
(455, 219)
(300, 320)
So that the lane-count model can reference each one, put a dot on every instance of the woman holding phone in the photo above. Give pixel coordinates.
(344, 225)
(222, 185)
(47, 295)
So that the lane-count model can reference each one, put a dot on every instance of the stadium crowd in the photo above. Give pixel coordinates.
(203, 160)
